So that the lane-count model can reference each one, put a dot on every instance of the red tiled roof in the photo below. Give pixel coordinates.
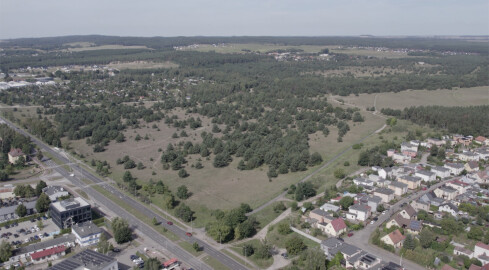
(480, 139)
(485, 267)
(396, 236)
(338, 224)
(170, 262)
(47, 252)
(447, 267)
(482, 245)
(474, 267)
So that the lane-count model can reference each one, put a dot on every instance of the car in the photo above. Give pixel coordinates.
(16, 235)
(169, 223)
(376, 218)
(45, 218)
(285, 255)
(383, 213)
(133, 257)
(350, 234)
(33, 220)
(7, 226)
(116, 250)
(72, 174)
(372, 222)
(188, 234)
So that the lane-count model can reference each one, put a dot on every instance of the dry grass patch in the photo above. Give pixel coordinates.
(142, 65)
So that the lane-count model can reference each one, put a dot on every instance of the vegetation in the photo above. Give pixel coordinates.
(122, 231)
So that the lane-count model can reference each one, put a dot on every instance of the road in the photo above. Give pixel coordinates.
(361, 238)
(134, 221)
(316, 171)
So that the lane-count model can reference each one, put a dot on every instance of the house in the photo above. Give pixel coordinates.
(15, 154)
(481, 252)
(408, 212)
(363, 260)
(407, 146)
(447, 267)
(436, 142)
(483, 153)
(445, 192)
(329, 207)
(363, 182)
(86, 233)
(390, 152)
(359, 212)
(476, 267)
(399, 188)
(413, 182)
(468, 156)
(398, 221)
(336, 227)
(482, 177)
(401, 158)
(54, 192)
(9, 213)
(481, 140)
(385, 194)
(87, 260)
(332, 246)
(420, 205)
(458, 185)
(471, 166)
(465, 140)
(42, 251)
(427, 176)
(462, 251)
(441, 172)
(414, 227)
(374, 202)
(409, 153)
(449, 208)
(455, 168)
(321, 216)
(395, 239)
(385, 172)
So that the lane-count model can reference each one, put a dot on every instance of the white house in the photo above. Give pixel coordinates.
(449, 208)
(86, 233)
(329, 207)
(427, 176)
(363, 182)
(385, 194)
(481, 252)
(401, 158)
(359, 212)
(407, 146)
(446, 192)
(54, 192)
(399, 188)
(455, 168)
(468, 156)
(395, 239)
(336, 227)
(441, 172)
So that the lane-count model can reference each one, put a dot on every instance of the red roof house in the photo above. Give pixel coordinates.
(48, 252)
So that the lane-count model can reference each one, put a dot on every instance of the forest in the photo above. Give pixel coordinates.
(473, 120)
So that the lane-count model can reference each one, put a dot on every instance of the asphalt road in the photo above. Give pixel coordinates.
(361, 238)
(134, 221)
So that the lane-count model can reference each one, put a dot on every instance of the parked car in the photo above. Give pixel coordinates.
(188, 234)
(350, 234)
(372, 222)
(116, 250)
(376, 218)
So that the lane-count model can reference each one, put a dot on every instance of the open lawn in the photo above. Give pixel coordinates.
(90, 47)
(141, 65)
(241, 48)
(400, 100)
(262, 263)
(371, 52)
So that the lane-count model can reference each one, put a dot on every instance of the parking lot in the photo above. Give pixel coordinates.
(27, 231)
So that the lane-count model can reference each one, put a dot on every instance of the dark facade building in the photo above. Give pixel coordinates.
(68, 212)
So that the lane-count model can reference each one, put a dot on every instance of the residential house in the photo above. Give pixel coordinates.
(441, 172)
(54, 192)
(374, 202)
(471, 166)
(436, 142)
(385, 172)
(431, 199)
(336, 227)
(49, 249)
(395, 239)
(86, 233)
(447, 267)
(413, 182)
(409, 147)
(414, 227)
(468, 156)
(383, 183)
(449, 208)
(408, 212)
(420, 205)
(482, 177)
(399, 188)
(455, 168)
(321, 216)
(483, 153)
(465, 140)
(15, 154)
(409, 153)
(329, 207)
(363, 182)
(363, 260)
(385, 194)
(446, 193)
(458, 185)
(401, 158)
(462, 251)
(332, 246)
(87, 260)
(398, 221)
(8, 212)
(481, 140)
(390, 152)
(481, 252)
(359, 212)
(427, 176)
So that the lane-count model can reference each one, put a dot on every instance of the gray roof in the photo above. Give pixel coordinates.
(51, 190)
(65, 205)
(375, 199)
(440, 169)
(454, 165)
(88, 259)
(11, 209)
(332, 242)
(45, 244)
(360, 207)
(411, 178)
(398, 184)
(385, 191)
(86, 229)
(424, 172)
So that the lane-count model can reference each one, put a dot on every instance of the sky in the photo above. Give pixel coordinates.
(34, 18)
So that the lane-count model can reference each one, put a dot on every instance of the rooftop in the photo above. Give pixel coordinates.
(69, 204)
(88, 259)
(86, 229)
(385, 191)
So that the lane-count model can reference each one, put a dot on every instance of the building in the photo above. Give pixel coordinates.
(401, 158)
(86, 233)
(458, 185)
(420, 205)
(363, 182)
(481, 140)
(395, 239)
(329, 207)
(427, 176)
(87, 260)
(8, 212)
(385, 194)
(449, 208)
(358, 212)
(398, 221)
(336, 227)
(481, 252)
(15, 154)
(436, 142)
(399, 188)
(171, 264)
(468, 156)
(68, 212)
(408, 212)
(374, 202)
(455, 168)
(54, 192)
(407, 146)
(471, 166)
(441, 172)
(446, 193)
(42, 251)
(413, 182)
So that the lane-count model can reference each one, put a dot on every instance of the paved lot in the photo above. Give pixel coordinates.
(48, 227)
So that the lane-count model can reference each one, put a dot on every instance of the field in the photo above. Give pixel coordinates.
(362, 72)
(457, 97)
(141, 65)
(86, 46)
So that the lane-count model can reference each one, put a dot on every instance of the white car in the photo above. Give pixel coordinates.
(372, 222)
(72, 174)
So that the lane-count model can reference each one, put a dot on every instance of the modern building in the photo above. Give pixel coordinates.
(86, 233)
(68, 212)
(54, 192)
(87, 260)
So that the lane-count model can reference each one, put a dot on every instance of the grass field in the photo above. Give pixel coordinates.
(456, 97)
(262, 263)
(141, 65)
(89, 47)
(262, 48)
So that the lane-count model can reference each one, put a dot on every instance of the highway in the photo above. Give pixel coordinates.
(105, 202)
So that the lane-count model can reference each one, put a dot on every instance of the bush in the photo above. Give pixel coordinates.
(284, 229)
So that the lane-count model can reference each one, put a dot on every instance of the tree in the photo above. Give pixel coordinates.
(182, 192)
(264, 250)
(127, 177)
(152, 264)
(339, 173)
(42, 204)
(21, 210)
(284, 228)
(39, 187)
(315, 259)
(39, 155)
(304, 190)
(196, 246)
(294, 245)
(245, 229)
(222, 160)
(140, 166)
(315, 159)
(154, 221)
(245, 207)
(103, 246)
(182, 173)
(336, 261)
(121, 230)
(248, 250)
(475, 233)
(184, 213)
(219, 231)
(434, 150)
(426, 237)
(279, 207)
(409, 242)
(380, 208)
(346, 202)
(5, 251)
(40, 225)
